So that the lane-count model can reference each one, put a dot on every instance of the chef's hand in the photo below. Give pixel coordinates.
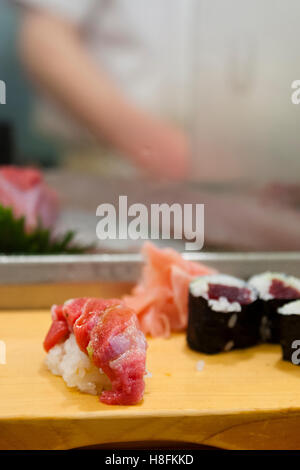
(153, 145)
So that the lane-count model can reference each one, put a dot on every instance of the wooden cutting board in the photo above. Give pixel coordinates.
(240, 400)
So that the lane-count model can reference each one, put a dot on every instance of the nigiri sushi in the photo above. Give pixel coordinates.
(97, 346)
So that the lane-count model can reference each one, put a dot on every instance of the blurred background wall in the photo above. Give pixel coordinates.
(247, 55)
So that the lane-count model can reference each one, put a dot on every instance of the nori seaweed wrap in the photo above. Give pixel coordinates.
(223, 314)
(289, 321)
(274, 290)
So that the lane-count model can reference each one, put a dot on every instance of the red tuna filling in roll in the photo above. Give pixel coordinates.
(280, 290)
(242, 295)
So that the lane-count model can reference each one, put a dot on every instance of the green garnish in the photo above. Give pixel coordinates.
(15, 240)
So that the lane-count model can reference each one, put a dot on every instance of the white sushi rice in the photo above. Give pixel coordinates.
(223, 305)
(291, 308)
(200, 366)
(262, 283)
(265, 328)
(199, 288)
(75, 367)
(232, 321)
(229, 346)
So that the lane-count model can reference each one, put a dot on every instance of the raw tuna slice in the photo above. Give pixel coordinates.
(161, 297)
(107, 331)
(24, 190)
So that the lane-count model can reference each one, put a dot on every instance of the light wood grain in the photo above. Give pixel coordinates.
(240, 400)
(42, 296)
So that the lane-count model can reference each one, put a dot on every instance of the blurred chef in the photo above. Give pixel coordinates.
(119, 69)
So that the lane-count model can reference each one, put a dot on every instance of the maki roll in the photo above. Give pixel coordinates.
(97, 346)
(289, 321)
(223, 314)
(274, 290)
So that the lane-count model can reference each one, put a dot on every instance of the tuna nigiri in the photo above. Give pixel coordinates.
(97, 346)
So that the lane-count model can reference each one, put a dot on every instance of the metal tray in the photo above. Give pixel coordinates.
(35, 282)
(126, 267)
